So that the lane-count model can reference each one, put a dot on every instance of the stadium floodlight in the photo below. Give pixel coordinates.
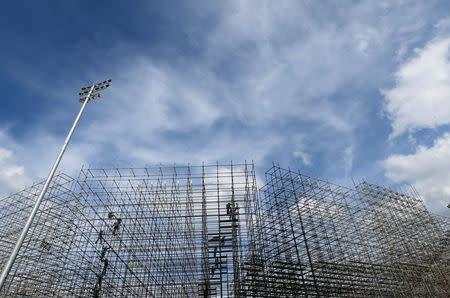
(95, 91)
(86, 94)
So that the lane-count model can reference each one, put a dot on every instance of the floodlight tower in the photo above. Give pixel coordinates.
(86, 94)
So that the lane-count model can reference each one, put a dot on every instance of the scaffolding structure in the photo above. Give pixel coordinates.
(324, 240)
(43, 261)
(179, 231)
(206, 231)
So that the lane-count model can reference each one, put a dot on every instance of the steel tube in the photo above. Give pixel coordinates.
(19, 243)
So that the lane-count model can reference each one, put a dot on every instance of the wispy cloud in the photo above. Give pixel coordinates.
(12, 174)
(258, 75)
(300, 152)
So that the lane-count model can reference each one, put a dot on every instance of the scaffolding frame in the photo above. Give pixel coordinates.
(322, 239)
(207, 231)
(164, 231)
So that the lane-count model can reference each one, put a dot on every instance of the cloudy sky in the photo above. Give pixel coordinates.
(341, 90)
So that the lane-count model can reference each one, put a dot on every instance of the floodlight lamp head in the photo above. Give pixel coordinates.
(94, 89)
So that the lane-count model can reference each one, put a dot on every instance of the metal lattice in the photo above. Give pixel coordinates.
(322, 239)
(206, 231)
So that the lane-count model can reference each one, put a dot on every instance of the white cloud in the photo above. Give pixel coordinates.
(428, 170)
(348, 160)
(300, 152)
(293, 57)
(222, 146)
(306, 158)
(148, 98)
(421, 96)
(12, 175)
(256, 74)
(443, 26)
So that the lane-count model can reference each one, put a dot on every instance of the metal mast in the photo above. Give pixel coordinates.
(86, 94)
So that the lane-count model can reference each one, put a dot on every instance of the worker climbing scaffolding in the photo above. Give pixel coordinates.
(116, 225)
(105, 266)
(98, 285)
(216, 259)
(229, 209)
(103, 253)
(104, 260)
(232, 210)
(97, 290)
(111, 215)
(100, 237)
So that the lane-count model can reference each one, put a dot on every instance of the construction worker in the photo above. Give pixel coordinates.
(104, 250)
(98, 285)
(228, 208)
(45, 244)
(235, 211)
(96, 290)
(100, 237)
(216, 264)
(117, 225)
(100, 276)
(105, 266)
(111, 215)
(216, 258)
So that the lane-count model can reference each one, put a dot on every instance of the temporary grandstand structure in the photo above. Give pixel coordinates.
(322, 239)
(207, 231)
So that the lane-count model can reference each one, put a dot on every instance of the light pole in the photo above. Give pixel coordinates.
(86, 95)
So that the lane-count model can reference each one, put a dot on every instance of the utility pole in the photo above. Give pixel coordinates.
(86, 94)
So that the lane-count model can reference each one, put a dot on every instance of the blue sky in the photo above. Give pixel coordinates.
(340, 90)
